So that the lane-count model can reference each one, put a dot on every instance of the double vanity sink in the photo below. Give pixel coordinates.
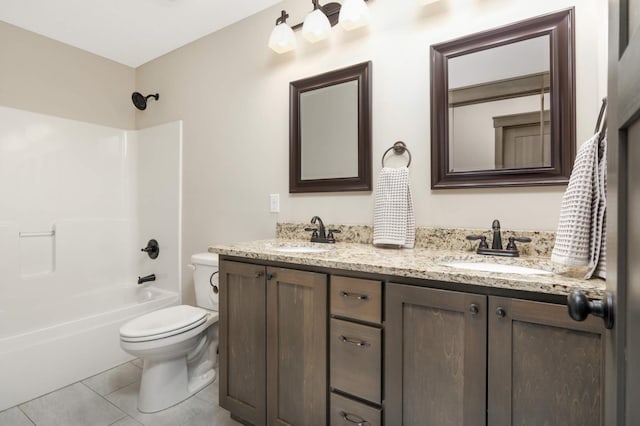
(532, 274)
(484, 266)
(330, 326)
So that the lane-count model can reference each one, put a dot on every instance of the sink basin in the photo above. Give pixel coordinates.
(497, 267)
(301, 249)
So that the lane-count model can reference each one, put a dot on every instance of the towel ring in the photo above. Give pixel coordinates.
(398, 148)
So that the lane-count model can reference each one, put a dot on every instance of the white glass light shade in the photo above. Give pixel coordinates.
(316, 26)
(282, 39)
(353, 14)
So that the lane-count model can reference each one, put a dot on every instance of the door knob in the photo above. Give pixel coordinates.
(580, 307)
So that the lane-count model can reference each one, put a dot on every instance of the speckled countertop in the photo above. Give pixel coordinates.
(421, 263)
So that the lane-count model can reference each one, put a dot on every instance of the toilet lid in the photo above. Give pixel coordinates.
(164, 321)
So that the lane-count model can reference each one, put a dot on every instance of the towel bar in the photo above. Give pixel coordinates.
(398, 148)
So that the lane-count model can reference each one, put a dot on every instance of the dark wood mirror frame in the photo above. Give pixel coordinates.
(360, 73)
(559, 26)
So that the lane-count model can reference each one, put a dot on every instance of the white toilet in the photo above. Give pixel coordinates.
(178, 344)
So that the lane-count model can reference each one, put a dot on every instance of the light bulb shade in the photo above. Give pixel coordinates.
(316, 26)
(353, 14)
(282, 39)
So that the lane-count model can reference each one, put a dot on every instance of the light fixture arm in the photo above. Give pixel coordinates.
(282, 19)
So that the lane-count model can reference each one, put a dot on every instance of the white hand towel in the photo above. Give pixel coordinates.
(581, 229)
(393, 218)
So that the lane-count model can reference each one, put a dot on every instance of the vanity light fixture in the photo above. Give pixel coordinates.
(316, 25)
(351, 14)
(282, 38)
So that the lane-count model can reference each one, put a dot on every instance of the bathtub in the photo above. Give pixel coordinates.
(53, 344)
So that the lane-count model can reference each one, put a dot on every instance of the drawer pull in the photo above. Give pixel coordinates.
(352, 418)
(355, 342)
(354, 295)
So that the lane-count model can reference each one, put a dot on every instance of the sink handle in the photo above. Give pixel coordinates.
(512, 245)
(314, 230)
(482, 238)
(331, 232)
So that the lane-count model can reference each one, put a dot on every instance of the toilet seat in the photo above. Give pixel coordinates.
(163, 323)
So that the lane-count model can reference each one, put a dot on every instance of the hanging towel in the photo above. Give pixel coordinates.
(393, 218)
(581, 229)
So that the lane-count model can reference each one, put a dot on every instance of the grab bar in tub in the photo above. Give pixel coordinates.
(51, 233)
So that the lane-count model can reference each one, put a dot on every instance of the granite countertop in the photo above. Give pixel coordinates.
(421, 263)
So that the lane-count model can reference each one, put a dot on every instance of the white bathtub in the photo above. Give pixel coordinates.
(58, 342)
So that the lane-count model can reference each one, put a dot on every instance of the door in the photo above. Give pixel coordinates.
(623, 205)
(296, 347)
(435, 357)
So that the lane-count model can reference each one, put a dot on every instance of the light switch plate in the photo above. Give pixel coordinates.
(274, 203)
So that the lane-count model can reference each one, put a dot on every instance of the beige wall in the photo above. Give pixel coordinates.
(232, 93)
(42, 75)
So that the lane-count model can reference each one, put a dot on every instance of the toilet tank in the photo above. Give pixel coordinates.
(205, 280)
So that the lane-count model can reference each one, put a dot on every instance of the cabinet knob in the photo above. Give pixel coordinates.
(259, 274)
(500, 312)
(580, 307)
(353, 419)
(474, 309)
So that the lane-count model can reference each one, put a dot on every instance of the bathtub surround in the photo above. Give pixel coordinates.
(79, 202)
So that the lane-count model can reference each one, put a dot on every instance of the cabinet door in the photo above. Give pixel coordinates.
(243, 340)
(544, 368)
(297, 347)
(435, 357)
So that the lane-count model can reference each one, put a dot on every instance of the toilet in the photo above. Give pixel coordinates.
(178, 344)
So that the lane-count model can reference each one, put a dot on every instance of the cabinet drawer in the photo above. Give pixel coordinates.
(356, 359)
(356, 298)
(346, 412)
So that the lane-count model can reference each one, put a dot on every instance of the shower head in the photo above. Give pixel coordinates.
(140, 101)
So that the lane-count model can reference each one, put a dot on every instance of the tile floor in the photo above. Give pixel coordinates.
(110, 398)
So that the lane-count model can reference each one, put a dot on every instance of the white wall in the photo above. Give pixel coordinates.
(158, 198)
(231, 92)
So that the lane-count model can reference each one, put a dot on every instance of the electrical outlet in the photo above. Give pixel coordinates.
(274, 203)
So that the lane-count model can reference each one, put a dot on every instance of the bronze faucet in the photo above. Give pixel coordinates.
(496, 245)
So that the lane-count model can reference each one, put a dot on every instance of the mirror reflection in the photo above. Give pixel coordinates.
(329, 130)
(499, 107)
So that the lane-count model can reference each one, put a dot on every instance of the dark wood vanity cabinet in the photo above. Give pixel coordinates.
(544, 368)
(435, 357)
(455, 358)
(309, 348)
(273, 344)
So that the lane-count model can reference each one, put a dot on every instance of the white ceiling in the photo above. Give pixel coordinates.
(131, 32)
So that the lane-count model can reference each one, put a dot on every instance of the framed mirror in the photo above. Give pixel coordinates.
(330, 131)
(503, 105)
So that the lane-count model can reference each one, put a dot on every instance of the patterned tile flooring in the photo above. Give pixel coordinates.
(110, 398)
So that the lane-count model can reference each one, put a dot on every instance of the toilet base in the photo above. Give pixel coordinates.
(167, 383)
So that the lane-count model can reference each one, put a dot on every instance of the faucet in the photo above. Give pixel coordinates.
(147, 278)
(496, 245)
(319, 234)
(497, 237)
(321, 231)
